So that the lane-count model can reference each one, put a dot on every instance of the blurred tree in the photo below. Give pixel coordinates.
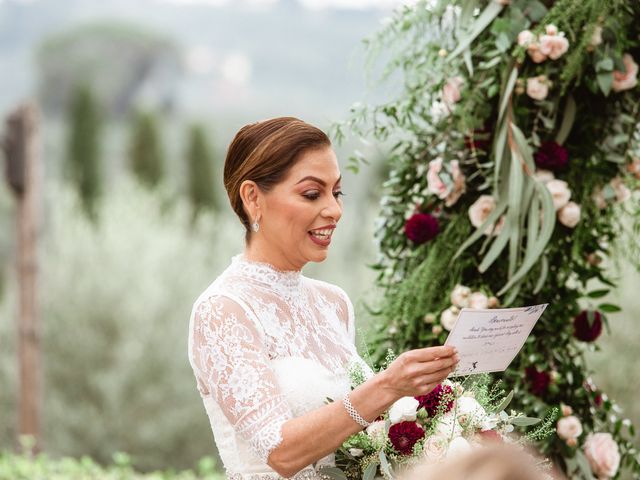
(201, 183)
(83, 149)
(146, 156)
(124, 63)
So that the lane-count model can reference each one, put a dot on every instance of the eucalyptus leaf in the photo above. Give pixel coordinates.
(568, 118)
(496, 248)
(333, 472)
(525, 421)
(513, 213)
(508, 90)
(605, 80)
(491, 11)
(491, 218)
(370, 471)
(544, 271)
(384, 465)
(583, 465)
(505, 403)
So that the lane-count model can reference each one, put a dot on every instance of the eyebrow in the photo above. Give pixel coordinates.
(319, 180)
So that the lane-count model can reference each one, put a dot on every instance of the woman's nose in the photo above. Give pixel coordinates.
(333, 210)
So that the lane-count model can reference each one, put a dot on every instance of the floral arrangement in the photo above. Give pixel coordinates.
(452, 419)
(514, 172)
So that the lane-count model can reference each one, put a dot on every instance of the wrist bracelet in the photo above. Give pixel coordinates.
(353, 413)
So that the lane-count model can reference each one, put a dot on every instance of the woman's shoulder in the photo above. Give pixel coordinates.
(330, 288)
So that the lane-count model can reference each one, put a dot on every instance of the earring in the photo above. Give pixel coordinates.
(255, 226)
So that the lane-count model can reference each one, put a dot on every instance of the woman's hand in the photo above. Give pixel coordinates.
(417, 372)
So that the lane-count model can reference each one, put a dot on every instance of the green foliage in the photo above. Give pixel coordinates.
(43, 467)
(202, 192)
(83, 161)
(146, 156)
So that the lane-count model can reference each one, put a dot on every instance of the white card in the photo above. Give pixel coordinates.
(489, 340)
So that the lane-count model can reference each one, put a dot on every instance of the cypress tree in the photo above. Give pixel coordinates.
(145, 152)
(200, 164)
(83, 148)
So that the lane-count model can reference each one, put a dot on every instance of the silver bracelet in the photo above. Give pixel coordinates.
(353, 413)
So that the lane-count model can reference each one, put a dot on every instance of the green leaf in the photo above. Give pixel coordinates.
(567, 120)
(466, 55)
(525, 421)
(605, 65)
(486, 17)
(504, 99)
(535, 10)
(491, 218)
(505, 403)
(384, 465)
(496, 249)
(543, 274)
(598, 293)
(609, 308)
(583, 465)
(370, 471)
(513, 214)
(605, 80)
(333, 472)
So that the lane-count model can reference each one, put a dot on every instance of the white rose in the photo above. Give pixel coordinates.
(560, 193)
(460, 296)
(356, 452)
(569, 427)
(458, 446)
(470, 413)
(603, 454)
(544, 176)
(448, 426)
(435, 447)
(478, 300)
(525, 37)
(377, 432)
(569, 215)
(448, 318)
(403, 410)
(439, 111)
(538, 87)
(480, 210)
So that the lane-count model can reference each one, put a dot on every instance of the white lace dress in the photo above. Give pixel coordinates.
(267, 346)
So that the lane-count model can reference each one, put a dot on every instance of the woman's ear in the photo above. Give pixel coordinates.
(250, 195)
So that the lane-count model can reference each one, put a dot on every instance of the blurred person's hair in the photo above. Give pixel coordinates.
(264, 152)
(492, 462)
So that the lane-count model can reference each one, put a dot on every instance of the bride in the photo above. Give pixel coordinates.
(267, 344)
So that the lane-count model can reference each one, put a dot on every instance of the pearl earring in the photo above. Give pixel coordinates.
(255, 226)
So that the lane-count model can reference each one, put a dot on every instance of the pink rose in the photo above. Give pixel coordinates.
(451, 193)
(525, 37)
(534, 52)
(569, 427)
(569, 215)
(554, 46)
(538, 87)
(627, 79)
(451, 91)
(480, 210)
(603, 454)
(551, 29)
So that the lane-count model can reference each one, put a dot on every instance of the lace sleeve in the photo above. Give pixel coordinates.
(349, 313)
(230, 363)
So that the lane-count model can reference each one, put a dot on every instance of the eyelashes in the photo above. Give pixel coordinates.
(315, 196)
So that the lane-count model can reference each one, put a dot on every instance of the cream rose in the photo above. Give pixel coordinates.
(480, 210)
(451, 91)
(569, 215)
(458, 446)
(535, 53)
(596, 36)
(404, 410)
(478, 300)
(449, 317)
(569, 427)
(448, 426)
(538, 87)
(554, 46)
(470, 413)
(525, 37)
(603, 454)
(622, 192)
(460, 296)
(435, 447)
(377, 433)
(544, 176)
(560, 193)
(627, 79)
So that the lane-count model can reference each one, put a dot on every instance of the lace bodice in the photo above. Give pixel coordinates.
(266, 346)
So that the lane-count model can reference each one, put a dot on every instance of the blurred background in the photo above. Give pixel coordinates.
(137, 103)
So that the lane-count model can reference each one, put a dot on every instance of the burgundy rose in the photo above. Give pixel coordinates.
(421, 228)
(587, 326)
(431, 401)
(404, 436)
(538, 381)
(551, 156)
(598, 400)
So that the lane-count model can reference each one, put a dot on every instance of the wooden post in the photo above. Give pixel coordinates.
(21, 146)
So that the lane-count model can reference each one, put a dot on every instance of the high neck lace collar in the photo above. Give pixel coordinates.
(267, 273)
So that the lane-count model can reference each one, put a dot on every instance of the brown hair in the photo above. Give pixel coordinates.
(264, 152)
(498, 462)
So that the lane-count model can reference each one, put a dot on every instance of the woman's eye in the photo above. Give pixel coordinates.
(338, 194)
(316, 195)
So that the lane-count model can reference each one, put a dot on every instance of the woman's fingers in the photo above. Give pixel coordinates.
(434, 353)
(436, 365)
